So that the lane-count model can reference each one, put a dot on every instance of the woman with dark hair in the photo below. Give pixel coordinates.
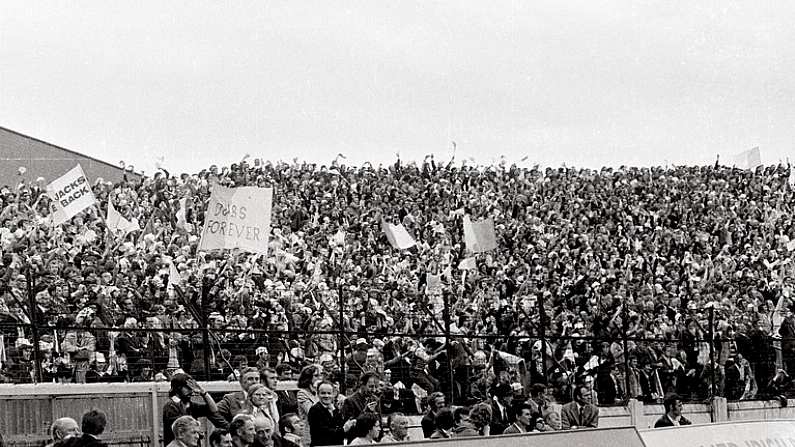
(367, 429)
(307, 395)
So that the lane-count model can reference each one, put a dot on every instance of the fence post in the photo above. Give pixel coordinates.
(542, 323)
(341, 325)
(711, 336)
(33, 324)
(205, 290)
(447, 317)
(625, 327)
(155, 423)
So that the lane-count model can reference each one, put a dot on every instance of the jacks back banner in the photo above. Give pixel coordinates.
(71, 193)
(238, 218)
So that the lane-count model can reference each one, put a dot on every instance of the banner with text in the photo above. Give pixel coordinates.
(71, 193)
(238, 218)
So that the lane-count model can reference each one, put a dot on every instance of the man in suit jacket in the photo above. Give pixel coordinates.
(524, 419)
(325, 419)
(673, 412)
(233, 403)
(501, 413)
(92, 425)
(186, 432)
(436, 402)
(581, 413)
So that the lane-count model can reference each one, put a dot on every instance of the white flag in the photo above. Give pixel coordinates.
(71, 193)
(479, 236)
(791, 179)
(467, 264)
(398, 236)
(750, 159)
(339, 238)
(117, 224)
(174, 278)
(510, 359)
(181, 217)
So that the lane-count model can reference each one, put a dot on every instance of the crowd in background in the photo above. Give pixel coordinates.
(634, 281)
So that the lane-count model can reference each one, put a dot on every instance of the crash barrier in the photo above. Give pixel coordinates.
(134, 410)
(597, 437)
(774, 433)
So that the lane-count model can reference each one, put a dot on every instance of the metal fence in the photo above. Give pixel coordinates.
(428, 346)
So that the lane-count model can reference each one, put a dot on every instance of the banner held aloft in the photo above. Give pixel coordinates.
(71, 193)
(238, 218)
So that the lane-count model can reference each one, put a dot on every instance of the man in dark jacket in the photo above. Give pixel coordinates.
(673, 413)
(436, 402)
(325, 419)
(92, 424)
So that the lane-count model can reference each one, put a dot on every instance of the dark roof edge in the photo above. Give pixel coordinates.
(70, 151)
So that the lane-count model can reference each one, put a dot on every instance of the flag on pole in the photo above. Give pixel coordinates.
(510, 359)
(174, 278)
(398, 236)
(791, 179)
(750, 159)
(149, 228)
(117, 224)
(479, 236)
(71, 193)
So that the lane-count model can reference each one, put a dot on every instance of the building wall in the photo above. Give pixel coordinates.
(42, 159)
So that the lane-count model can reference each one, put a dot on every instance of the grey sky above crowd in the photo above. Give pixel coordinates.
(586, 83)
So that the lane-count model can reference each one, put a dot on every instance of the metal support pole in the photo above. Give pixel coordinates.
(712, 348)
(205, 290)
(625, 328)
(34, 325)
(543, 324)
(344, 379)
(447, 317)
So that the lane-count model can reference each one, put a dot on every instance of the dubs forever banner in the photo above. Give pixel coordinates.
(70, 193)
(238, 218)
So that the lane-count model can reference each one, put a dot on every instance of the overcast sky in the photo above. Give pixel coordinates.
(586, 83)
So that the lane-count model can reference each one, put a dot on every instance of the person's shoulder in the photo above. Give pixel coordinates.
(568, 406)
(662, 421)
(512, 429)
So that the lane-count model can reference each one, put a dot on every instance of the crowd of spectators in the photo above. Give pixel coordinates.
(615, 278)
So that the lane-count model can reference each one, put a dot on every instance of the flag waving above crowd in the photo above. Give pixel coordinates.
(479, 236)
(750, 159)
(398, 236)
(117, 223)
(238, 218)
(71, 193)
